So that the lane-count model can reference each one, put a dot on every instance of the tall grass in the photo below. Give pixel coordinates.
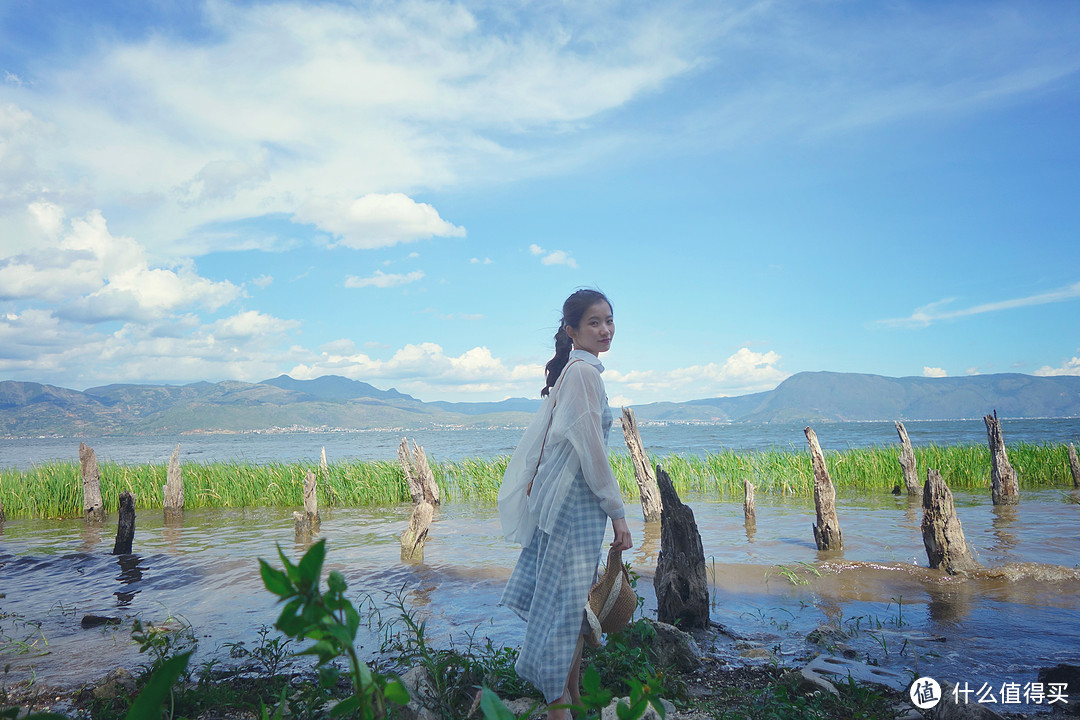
(54, 489)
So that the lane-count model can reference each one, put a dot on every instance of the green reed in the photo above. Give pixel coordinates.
(55, 489)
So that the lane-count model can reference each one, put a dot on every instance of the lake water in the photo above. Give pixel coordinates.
(456, 444)
(770, 586)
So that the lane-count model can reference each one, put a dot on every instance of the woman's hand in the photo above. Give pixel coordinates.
(622, 535)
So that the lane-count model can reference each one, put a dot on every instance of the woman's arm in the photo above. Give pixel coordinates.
(622, 534)
(580, 399)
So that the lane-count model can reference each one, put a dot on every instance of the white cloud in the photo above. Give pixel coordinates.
(425, 370)
(555, 257)
(478, 261)
(1070, 367)
(376, 220)
(96, 276)
(933, 372)
(39, 346)
(384, 280)
(744, 372)
(304, 107)
(250, 324)
(936, 312)
(263, 281)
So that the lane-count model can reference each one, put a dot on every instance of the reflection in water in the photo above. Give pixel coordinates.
(751, 528)
(1004, 518)
(173, 530)
(130, 573)
(91, 534)
(207, 572)
(950, 602)
(913, 510)
(427, 582)
(649, 545)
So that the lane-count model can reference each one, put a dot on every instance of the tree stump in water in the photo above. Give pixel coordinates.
(415, 535)
(425, 496)
(827, 533)
(173, 504)
(942, 533)
(1074, 466)
(681, 583)
(1005, 490)
(125, 529)
(749, 511)
(651, 504)
(307, 522)
(907, 461)
(418, 475)
(93, 505)
(2, 516)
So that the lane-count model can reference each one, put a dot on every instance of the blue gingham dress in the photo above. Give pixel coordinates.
(550, 586)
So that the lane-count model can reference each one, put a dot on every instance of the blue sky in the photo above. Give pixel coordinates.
(404, 193)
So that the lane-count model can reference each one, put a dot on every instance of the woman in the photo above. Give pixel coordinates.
(557, 494)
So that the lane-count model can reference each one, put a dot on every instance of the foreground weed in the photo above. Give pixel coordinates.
(454, 673)
(329, 620)
(269, 657)
(797, 575)
(778, 701)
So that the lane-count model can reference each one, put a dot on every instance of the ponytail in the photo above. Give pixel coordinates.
(563, 346)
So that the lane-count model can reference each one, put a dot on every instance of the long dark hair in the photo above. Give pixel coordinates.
(572, 311)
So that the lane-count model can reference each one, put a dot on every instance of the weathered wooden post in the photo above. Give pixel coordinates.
(942, 533)
(2, 516)
(1074, 465)
(425, 496)
(173, 504)
(125, 528)
(93, 505)
(749, 511)
(646, 480)
(827, 533)
(418, 473)
(324, 467)
(681, 583)
(907, 461)
(307, 522)
(1005, 490)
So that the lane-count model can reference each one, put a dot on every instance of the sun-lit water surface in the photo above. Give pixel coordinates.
(990, 628)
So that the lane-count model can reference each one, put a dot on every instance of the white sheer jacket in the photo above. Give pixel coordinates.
(575, 443)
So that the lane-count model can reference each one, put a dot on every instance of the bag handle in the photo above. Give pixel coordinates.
(554, 401)
(614, 559)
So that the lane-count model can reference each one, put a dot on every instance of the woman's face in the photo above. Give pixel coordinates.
(595, 331)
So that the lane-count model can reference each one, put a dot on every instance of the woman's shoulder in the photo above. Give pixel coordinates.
(583, 366)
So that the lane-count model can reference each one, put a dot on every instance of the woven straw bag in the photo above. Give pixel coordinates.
(612, 600)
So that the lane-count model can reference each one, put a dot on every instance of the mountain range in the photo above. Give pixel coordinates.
(331, 402)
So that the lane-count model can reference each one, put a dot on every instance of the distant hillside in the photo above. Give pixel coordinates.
(331, 402)
(835, 397)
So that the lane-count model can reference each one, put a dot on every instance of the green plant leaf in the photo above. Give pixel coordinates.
(275, 580)
(396, 692)
(328, 675)
(147, 705)
(348, 705)
(311, 564)
(493, 708)
(632, 711)
(336, 582)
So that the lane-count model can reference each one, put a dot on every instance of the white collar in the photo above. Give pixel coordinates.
(587, 357)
